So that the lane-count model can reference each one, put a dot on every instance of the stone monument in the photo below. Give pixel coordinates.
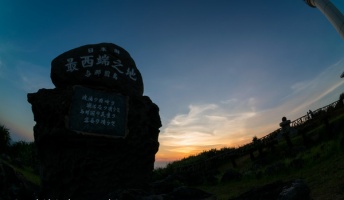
(96, 133)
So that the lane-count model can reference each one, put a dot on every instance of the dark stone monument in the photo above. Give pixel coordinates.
(95, 132)
(104, 65)
(97, 112)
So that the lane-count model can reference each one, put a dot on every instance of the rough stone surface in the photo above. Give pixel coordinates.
(297, 190)
(104, 65)
(80, 166)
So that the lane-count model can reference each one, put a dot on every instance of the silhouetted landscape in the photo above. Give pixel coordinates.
(240, 100)
(312, 168)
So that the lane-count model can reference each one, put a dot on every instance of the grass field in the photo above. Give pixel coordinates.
(27, 172)
(322, 167)
(323, 172)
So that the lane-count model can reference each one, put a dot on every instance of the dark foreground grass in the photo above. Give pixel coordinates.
(322, 170)
(27, 172)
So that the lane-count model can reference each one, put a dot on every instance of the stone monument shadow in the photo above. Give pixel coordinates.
(96, 134)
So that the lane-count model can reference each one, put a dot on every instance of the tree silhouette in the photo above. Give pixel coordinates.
(5, 139)
(25, 152)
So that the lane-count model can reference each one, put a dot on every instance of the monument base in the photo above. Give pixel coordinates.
(82, 166)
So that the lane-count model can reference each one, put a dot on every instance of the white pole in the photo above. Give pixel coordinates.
(331, 13)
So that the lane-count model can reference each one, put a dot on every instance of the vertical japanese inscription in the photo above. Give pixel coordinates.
(98, 112)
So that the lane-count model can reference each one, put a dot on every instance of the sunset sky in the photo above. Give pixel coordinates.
(221, 71)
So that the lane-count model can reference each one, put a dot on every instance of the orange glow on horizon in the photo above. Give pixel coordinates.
(20, 132)
(179, 152)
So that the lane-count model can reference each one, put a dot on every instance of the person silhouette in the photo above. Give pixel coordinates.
(285, 128)
(310, 114)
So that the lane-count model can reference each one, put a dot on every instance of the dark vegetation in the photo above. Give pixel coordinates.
(20, 155)
(18, 168)
(316, 157)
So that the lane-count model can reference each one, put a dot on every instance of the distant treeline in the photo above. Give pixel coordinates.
(20, 153)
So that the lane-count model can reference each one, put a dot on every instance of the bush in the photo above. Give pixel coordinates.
(24, 152)
(5, 140)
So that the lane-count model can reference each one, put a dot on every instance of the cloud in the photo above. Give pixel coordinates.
(33, 77)
(206, 126)
(297, 87)
(310, 94)
(26, 76)
(235, 121)
(229, 101)
(317, 92)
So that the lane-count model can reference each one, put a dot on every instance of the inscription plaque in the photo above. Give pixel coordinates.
(98, 112)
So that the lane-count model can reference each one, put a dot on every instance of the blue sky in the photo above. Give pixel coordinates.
(221, 71)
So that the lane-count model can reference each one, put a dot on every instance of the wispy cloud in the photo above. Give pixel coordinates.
(316, 92)
(300, 86)
(235, 121)
(206, 126)
(33, 77)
